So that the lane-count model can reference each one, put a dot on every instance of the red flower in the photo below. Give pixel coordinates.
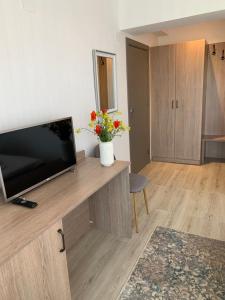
(93, 116)
(104, 111)
(98, 129)
(116, 123)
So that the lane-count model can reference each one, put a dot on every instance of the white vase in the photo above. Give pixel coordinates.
(106, 153)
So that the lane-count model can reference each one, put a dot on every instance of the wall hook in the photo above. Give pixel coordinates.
(214, 50)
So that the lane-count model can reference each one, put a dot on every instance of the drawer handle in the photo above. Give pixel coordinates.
(63, 240)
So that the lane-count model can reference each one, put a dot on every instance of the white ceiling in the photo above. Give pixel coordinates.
(212, 32)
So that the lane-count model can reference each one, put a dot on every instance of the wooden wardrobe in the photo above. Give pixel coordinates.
(177, 99)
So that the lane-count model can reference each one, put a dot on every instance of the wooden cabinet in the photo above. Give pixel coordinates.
(162, 99)
(38, 271)
(177, 93)
(190, 60)
(32, 267)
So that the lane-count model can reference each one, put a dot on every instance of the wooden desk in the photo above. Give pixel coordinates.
(210, 138)
(30, 243)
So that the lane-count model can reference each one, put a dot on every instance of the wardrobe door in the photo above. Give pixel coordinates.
(162, 61)
(190, 59)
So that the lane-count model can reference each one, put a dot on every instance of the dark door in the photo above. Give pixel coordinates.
(138, 103)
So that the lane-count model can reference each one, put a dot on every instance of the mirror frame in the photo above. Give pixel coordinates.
(95, 54)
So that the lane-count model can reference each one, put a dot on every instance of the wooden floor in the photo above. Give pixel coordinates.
(183, 197)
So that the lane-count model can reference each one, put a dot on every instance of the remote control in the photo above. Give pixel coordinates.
(24, 202)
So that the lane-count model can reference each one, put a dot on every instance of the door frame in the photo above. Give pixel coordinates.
(136, 44)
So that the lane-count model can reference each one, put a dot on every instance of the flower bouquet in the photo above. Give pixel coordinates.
(105, 126)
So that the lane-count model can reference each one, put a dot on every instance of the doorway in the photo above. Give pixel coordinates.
(138, 103)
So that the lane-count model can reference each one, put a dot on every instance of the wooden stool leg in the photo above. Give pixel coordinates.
(135, 213)
(146, 201)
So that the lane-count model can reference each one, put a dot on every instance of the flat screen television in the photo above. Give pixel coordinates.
(34, 155)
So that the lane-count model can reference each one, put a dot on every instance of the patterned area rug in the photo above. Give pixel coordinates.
(178, 266)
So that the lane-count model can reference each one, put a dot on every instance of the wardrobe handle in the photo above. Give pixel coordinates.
(63, 240)
(177, 106)
(172, 104)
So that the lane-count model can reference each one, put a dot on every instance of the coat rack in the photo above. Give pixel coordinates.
(214, 52)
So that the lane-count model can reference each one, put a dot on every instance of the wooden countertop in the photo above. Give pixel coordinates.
(56, 198)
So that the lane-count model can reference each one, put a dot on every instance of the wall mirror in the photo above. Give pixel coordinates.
(105, 80)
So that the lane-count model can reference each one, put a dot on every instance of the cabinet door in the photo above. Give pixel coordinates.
(190, 59)
(38, 271)
(162, 61)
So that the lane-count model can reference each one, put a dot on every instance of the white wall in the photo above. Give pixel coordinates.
(136, 13)
(46, 62)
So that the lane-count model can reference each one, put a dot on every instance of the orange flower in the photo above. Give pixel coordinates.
(116, 124)
(93, 115)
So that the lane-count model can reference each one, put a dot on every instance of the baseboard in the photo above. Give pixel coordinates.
(178, 161)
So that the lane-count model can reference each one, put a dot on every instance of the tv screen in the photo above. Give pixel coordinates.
(30, 156)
